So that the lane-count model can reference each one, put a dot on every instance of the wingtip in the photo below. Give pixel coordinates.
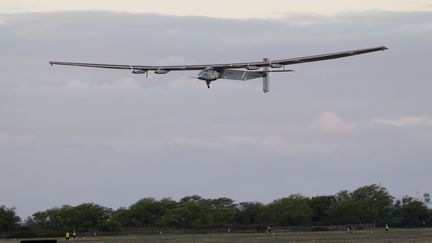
(384, 48)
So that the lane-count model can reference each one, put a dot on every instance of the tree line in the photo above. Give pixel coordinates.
(368, 204)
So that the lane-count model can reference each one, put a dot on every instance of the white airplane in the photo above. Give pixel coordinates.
(212, 72)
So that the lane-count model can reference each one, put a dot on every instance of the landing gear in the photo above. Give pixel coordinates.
(208, 84)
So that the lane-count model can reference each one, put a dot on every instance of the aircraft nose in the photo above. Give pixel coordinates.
(202, 75)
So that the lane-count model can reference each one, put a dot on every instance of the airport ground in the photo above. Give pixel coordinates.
(394, 236)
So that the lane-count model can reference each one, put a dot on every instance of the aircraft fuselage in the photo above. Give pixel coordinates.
(209, 75)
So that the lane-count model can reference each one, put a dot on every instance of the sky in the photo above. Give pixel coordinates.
(74, 135)
(220, 9)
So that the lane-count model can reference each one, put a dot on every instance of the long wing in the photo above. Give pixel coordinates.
(227, 65)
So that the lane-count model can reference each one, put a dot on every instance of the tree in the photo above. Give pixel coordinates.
(188, 214)
(249, 213)
(366, 204)
(9, 221)
(122, 216)
(411, 212)
(291, 211)
(375, 204)
(84, 217)
(90, 216)
(321, 209)
(55, 218)
(145, 213)
(222, 210)
(194, 198)
(345, 210)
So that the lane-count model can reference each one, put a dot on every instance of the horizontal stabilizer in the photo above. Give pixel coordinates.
(242, 75)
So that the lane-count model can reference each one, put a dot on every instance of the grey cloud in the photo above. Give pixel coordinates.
(405, 121)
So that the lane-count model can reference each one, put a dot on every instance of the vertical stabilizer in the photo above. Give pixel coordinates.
(266, 77)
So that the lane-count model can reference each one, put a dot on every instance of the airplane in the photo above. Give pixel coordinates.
(248, 70)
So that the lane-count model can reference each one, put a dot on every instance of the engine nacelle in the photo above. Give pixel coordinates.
(252, 67)
(276, 65)
(138, 71)
(161, 71)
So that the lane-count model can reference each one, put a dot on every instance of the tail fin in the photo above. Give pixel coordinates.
(266, 77)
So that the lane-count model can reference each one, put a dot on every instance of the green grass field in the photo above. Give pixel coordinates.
(395, 235)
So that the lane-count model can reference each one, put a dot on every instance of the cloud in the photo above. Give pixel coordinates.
(258, 141)
(198, 142)
(329, 122)
(7, 138)
(80, 87)
(228, 142)
(293, 141)
(405, 121)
